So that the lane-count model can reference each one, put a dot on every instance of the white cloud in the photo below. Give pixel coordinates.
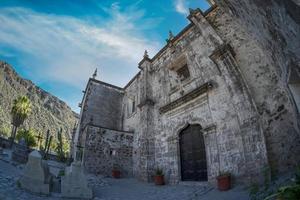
(67, 49)
(181, 7)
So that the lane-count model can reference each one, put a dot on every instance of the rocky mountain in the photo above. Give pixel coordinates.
(48, 112)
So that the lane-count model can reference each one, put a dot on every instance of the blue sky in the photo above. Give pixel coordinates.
(59, 43)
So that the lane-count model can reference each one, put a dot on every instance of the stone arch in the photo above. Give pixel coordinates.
(190, 121)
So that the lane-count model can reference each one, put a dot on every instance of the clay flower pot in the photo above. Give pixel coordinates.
(224, 182)
(159, 180)
(116, 173)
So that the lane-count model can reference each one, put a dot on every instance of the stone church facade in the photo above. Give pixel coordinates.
(223, 95)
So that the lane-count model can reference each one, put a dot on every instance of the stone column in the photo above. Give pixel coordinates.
(146, 138)
(206, 30)
(245, 121)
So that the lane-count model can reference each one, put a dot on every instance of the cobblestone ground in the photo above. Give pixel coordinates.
(117, 189)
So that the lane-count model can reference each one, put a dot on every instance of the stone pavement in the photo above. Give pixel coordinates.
(118, 189)
(9, 189)
(131, 189)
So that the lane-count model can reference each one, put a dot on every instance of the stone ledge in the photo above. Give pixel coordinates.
(186, 98)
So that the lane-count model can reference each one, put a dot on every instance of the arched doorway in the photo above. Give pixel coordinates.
(192, 154)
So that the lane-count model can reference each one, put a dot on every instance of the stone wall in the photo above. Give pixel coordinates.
(239, 56)
(105, 148)
(103, 105)
(255, 115)
(265, 36)
(226, 111)
(131, 121)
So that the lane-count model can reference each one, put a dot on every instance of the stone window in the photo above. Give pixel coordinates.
(112, 152)
(183, 73)
(131, 106)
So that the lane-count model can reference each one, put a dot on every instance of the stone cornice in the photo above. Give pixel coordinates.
(142, 61)
(101, 127)
(186, 98)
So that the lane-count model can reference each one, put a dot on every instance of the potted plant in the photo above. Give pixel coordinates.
(224, 181)
(116, 173)
(159, 177)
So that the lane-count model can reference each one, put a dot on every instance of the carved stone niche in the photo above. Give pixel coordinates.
(177, 62)
(180, 67)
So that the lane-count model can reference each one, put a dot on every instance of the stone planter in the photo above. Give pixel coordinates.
(224, 182)
(159, 180)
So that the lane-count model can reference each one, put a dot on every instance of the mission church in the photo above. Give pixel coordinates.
(216, 98)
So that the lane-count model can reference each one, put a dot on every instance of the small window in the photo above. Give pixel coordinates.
(183, 73)
(113, 152)
(133, 106)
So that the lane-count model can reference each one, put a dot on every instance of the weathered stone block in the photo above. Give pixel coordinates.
(74, 183)
(36, 177)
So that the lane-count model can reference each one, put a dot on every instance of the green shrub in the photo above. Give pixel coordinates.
(289, 192)
(253, 191)
(28, 135)
(61, 146)
(18, 184)
(61, 173)
(159, 172)
(5, 131)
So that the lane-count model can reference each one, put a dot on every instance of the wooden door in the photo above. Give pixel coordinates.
(193, 155)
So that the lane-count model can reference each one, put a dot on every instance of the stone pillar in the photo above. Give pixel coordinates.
(206, 30)
(245, 122)
(146, 139)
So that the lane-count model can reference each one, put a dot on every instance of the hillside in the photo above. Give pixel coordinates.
(48, 112)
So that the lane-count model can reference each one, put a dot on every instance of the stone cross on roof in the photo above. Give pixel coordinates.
(95, 74)
(171, 36)
(146, 54)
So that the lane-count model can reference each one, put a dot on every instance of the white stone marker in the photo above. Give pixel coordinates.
(74, 184)
(36, 177)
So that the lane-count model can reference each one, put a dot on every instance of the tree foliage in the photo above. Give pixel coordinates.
(29, 136)
(62, 146)
(20, 111)
(5, 131)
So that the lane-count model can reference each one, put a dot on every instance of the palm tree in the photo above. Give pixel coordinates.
(20, 111)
